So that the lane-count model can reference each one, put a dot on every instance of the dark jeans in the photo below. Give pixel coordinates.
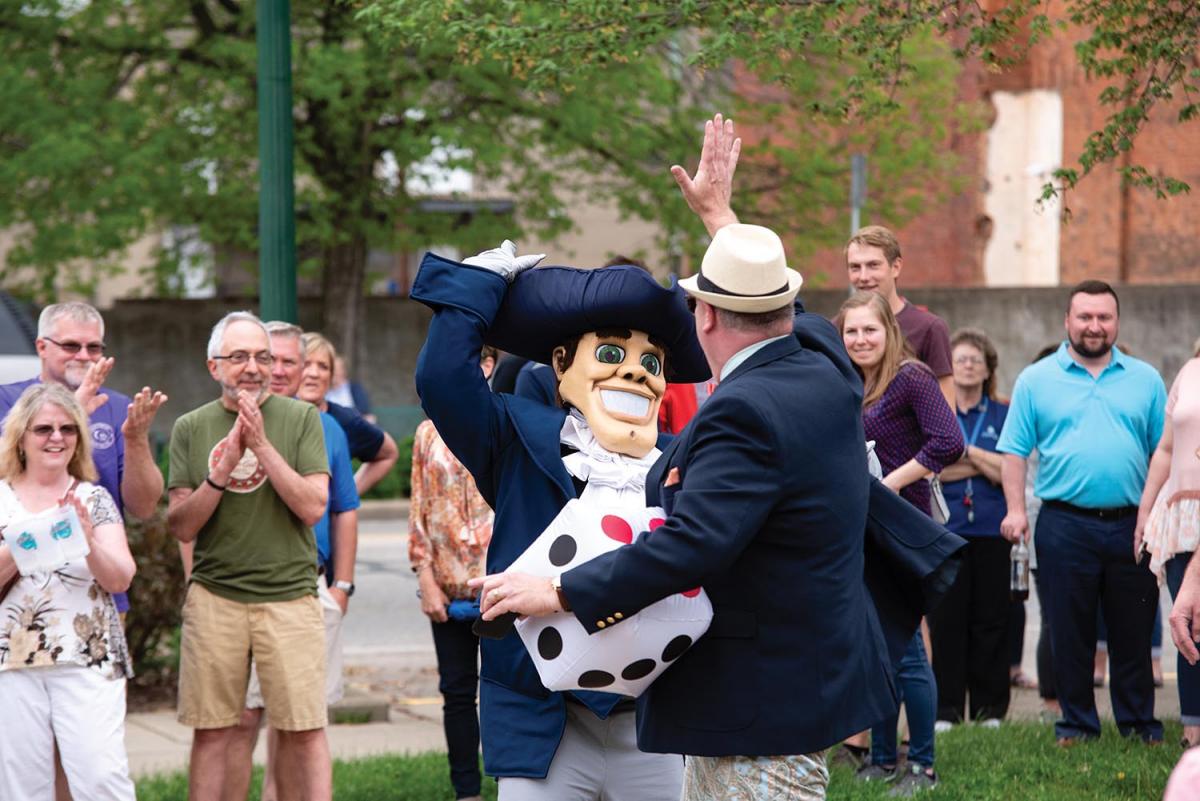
(970, 634)
(918, 692)
(1045, 653)
(458, 680)
(1087, 563)
(1189, 675)
(1015, 631)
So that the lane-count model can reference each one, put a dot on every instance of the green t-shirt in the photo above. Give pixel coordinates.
(253, 549)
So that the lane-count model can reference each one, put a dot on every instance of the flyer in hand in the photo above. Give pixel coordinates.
(46, 541)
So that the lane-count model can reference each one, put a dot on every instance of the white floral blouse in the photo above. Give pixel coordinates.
(62, 617)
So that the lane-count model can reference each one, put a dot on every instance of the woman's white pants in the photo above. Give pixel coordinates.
(81, 710)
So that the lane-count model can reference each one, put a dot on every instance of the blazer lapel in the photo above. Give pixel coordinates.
(539, 427)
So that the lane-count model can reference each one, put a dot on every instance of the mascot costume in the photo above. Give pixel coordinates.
(566, 483)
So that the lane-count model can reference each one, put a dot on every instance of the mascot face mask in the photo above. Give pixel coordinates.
(616, 383)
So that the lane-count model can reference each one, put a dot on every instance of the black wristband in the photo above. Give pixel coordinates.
(208, 480)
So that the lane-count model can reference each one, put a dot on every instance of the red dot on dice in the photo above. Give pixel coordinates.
(615, 528)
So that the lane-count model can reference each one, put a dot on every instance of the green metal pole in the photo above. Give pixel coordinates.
(276, 198)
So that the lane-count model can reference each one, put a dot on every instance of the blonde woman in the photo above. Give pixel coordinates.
(63, 657)
(1168, 521)
(916, 436)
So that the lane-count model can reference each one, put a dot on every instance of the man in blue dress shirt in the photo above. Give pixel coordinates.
(1094, 415)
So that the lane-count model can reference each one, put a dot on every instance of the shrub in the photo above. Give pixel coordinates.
(155, 603)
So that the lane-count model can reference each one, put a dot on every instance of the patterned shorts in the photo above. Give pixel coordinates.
(778, 778)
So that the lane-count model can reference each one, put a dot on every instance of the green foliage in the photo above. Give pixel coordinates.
(120, 117)
(398, 481)
(155, 603)
(1017, 761)
(1142, 51)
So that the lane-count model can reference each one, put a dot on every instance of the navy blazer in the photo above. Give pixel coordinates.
(910, 560)
(769, 516)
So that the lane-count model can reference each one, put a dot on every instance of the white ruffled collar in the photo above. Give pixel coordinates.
(597, 465)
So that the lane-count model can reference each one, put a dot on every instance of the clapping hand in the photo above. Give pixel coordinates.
(254, 436)
(93, 379)
(231, 451)
(504, 261)
(141, 412)
(85, 518)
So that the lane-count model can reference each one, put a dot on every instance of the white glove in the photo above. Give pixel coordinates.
(504, 261)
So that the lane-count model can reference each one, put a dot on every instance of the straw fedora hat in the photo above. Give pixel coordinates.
(744, 270)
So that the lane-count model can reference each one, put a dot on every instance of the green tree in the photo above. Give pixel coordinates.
(122, 117)
(1142, 53)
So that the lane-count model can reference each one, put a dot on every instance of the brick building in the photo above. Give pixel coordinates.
(993, 234)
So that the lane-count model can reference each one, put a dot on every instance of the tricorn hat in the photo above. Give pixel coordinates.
(546, 306)
(744, 270)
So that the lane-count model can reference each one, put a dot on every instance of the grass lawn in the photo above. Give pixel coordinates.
(1018, 761)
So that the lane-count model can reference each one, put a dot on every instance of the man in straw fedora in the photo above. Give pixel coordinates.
(767, 494)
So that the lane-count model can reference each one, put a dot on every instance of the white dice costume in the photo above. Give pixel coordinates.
(609, 513)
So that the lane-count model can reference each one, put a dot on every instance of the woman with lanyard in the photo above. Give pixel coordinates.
(969, 629)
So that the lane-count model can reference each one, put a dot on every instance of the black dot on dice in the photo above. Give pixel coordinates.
(676, 647)
(562, 550)
(549, 643)
(638, 670)
(595, 678)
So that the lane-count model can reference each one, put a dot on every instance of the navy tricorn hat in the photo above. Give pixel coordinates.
(546, 306)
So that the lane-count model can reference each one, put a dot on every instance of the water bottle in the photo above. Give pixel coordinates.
(1018, 576)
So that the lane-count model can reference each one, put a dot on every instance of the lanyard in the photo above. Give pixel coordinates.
(968, 496)
(978, 424)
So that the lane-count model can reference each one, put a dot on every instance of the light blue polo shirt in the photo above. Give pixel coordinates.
(1094, 436)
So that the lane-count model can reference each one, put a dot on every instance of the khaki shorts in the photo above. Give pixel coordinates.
(334, 687)
(219, 638)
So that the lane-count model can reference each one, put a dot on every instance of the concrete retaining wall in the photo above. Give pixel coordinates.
(161, 343)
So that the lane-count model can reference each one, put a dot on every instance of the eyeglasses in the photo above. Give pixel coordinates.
(968, 360)
(72, 348)
(44, 431)
(239, 357)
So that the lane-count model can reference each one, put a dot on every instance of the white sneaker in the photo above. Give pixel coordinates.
(942, 726)
(990, 723)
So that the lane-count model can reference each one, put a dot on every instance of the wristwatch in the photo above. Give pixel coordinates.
(556, 583)
(345, 586)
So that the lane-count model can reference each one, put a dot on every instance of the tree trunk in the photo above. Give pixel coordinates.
(343, 309)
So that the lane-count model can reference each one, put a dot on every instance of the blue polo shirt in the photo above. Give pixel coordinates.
(981, 426)
(343, 495)
(1094, 436)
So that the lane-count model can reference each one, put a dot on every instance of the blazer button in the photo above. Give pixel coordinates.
(612, 620)
(618, 615)
(600, 624)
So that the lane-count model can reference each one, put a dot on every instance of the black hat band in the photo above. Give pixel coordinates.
(708, 286)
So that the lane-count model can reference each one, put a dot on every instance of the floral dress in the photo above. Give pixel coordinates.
(62, 617)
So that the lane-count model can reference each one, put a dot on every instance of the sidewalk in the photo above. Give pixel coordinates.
(405, 683)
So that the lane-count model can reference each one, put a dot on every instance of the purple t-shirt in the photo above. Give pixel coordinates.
(108, 443)
(913, 420)
(929, 337)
